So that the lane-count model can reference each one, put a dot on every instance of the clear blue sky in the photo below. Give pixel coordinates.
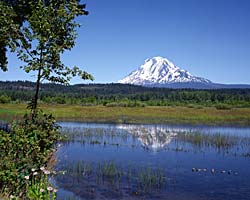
(209, 38)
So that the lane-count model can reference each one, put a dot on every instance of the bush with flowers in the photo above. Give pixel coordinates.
(23, 150)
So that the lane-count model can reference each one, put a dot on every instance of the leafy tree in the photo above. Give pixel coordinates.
(39, 32)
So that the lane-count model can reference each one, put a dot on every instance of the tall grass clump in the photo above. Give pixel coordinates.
(219, 141)
(26, 147)
(149, 178)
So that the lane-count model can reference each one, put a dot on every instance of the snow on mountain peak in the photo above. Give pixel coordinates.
(159, 70)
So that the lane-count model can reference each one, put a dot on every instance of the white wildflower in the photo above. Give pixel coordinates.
(46, 172)
(11, 197)
(42, 168)
(35, 173)
(27, 177)
(55, 190)
(41, 190)
(33, 169)
(50, 188)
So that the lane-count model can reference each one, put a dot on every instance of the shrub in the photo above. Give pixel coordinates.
(5, 99)
(26, 146)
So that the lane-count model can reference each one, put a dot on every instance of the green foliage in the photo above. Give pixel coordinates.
(27, 146)
(48, 31)
(126, 95)
(39, 32)
(5, 99)
(9, 25)
(39, 188)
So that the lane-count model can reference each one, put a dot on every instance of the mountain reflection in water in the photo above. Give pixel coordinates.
(151, 137)
(121, 161)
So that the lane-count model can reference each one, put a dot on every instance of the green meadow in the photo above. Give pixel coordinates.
(148, 114)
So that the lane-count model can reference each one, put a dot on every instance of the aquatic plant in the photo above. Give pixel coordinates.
(95, 142)
(109, 174)
(97, 136)
(149, 178)
(217, 140)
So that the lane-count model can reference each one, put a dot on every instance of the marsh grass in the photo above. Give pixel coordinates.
(218, 141)
(149, 179)
(98, 136)
(110, 175)
(181, 141)
(149, 114)
(112, 180)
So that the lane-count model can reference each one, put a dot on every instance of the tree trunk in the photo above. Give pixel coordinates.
(34, 103)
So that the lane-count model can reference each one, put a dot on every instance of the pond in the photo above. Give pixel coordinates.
(109, 161)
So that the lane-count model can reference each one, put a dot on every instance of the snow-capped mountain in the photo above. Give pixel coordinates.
(160, 71)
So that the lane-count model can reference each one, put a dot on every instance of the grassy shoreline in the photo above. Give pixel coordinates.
(150, 114)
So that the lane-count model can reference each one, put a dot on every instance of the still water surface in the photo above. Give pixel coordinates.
(108, 161)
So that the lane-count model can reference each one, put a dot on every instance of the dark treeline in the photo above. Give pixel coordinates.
(122, 95)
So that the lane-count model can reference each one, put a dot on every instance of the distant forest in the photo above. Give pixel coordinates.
(123, 95)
